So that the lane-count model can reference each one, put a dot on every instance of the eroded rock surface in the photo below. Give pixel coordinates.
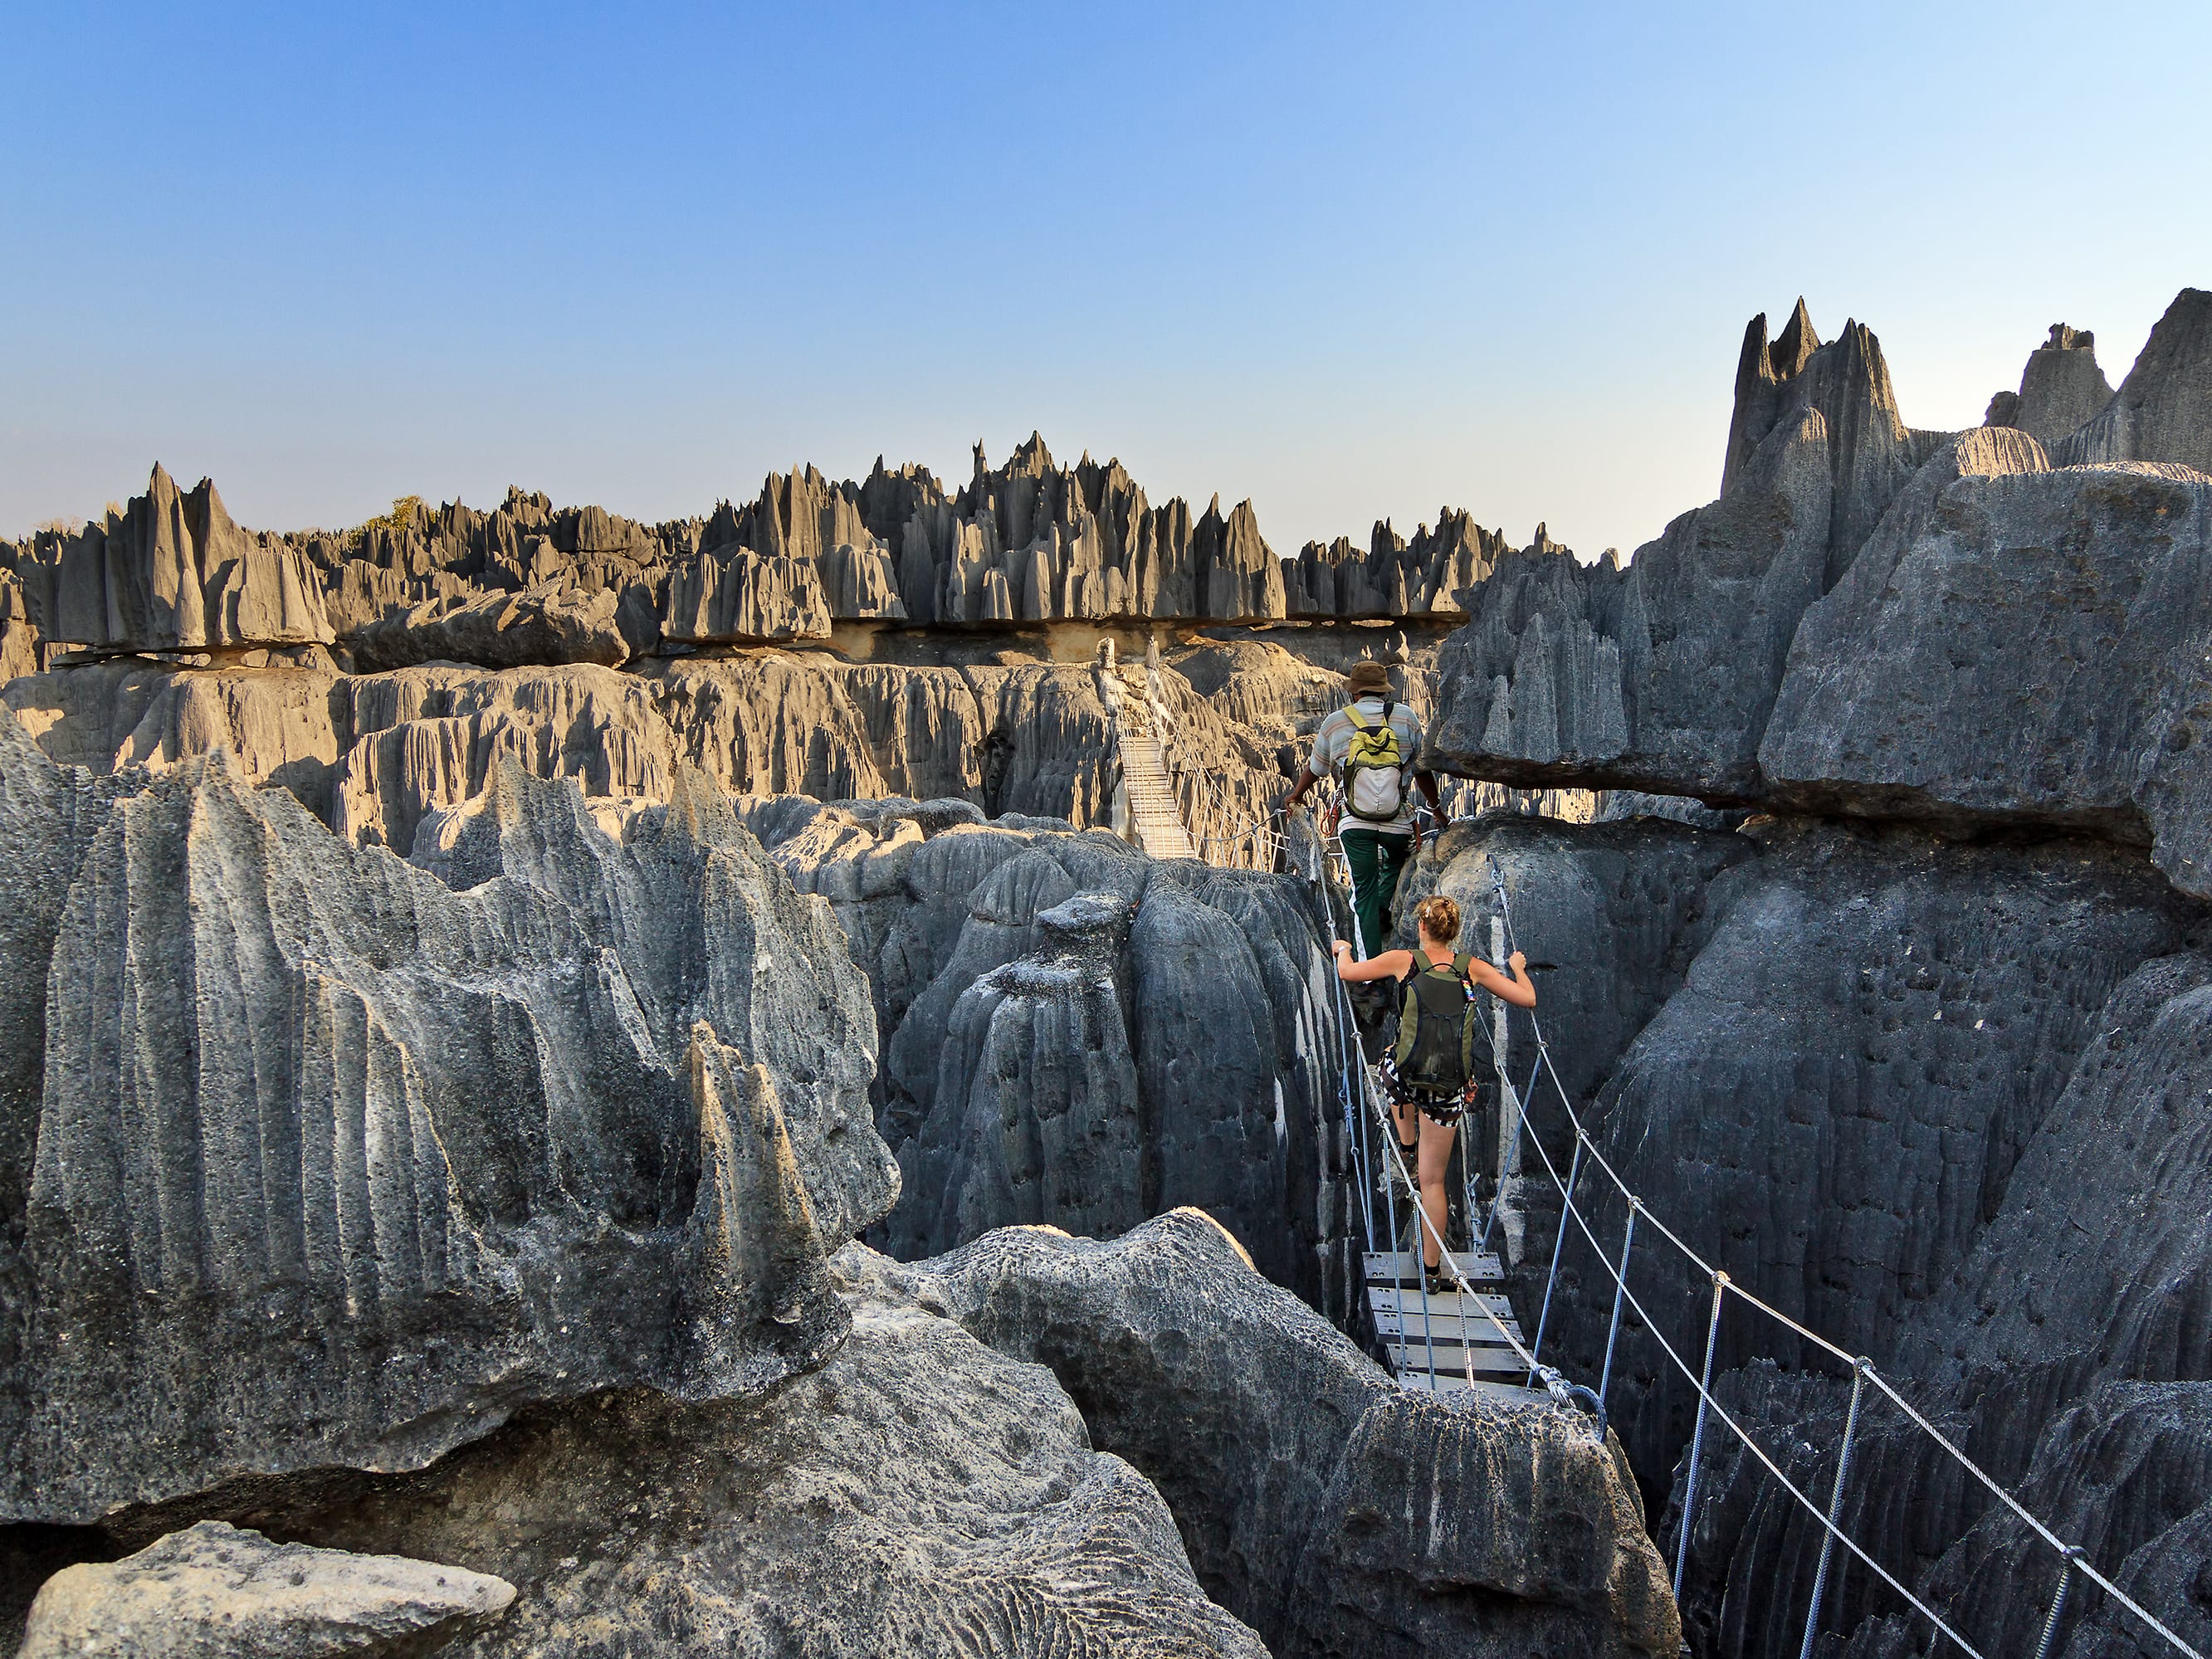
(2038, 654)
(342, 1166)
(2163, 409)
(2061, 389)
(1076, 1035)
(545, 623)
(1335, 1512)
(917, 1494)
(1609, 676)
(172, 572)
(215, 1590)
(1832, 1106)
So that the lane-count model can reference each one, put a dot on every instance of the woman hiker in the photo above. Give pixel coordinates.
(1430, 1073)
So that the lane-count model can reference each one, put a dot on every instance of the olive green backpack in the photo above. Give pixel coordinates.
(1436, 1025)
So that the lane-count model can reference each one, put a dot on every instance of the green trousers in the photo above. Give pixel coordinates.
(1376, 859)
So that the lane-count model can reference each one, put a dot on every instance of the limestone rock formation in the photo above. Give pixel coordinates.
(1395, 577)
(19, 633)
(1335, 1512)
(2163, 409)
(432, 738)
(1661, 676)
(299, 1108)
(2061, 389)
(170, 572)
(2066, 1352)
(545, 623)
(1871, 451)
(2127, 1475)
(743, 596)
(2036, 654)
(1826, 1082)
(1879, 621)
(215, 1591)
(1941, 1101)
(1610, 916)
(1599, 675)
(916, 1494)
(1076, 1035)
(2097, 1265)
(280, 721)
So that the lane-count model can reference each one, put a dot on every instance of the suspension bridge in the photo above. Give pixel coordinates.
(1470, 1339)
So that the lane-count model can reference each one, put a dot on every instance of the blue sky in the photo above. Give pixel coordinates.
(1349, 263)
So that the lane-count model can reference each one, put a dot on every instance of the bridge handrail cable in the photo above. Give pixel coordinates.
(2071, 1558)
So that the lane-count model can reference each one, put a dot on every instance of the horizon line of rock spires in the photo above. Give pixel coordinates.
(1029, 541)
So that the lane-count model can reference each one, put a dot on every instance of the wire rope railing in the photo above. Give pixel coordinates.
(1370, 1112)
(1866, 1380)
(1864, 1376)
(1374, 1115)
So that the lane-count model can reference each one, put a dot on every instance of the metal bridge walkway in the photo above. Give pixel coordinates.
(1447, 1342)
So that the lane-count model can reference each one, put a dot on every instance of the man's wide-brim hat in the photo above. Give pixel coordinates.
(1366, 676)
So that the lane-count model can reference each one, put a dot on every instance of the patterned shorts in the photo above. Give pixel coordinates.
(1442, 1109)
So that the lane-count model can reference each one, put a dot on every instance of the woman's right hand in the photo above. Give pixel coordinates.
(1518, 963)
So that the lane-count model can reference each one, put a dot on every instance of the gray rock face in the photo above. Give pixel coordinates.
(20, 642)
(1076, 1035)
(172, 572)
(2098, 1265)
(421, 740)
(1843, 1087)
(1605, 677)
(215, 1590)
(1982, 639)
(1393, 577)
(2163, 409)
(742, 596)
(1942, 1103)
(546, 623)
(2061, 389)
(917, 1494)
(301, 1108)
(281, 723)
(377, 754)
(1335, 1512)
(1028, 541)
(2126, 1474)
(1610, 916)
(2036, 654)
(1871, 451)
(1597, 675)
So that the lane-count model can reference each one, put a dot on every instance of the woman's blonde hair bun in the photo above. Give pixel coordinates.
(1437, 917)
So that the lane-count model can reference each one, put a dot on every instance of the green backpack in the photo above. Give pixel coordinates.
(1437, 1023)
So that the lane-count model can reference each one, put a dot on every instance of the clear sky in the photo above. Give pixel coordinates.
(1350, 262)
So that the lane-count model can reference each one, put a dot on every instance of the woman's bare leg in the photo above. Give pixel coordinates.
(1435, 1159)
(1404, 1117)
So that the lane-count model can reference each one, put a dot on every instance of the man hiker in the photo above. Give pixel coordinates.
(1368, 747)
